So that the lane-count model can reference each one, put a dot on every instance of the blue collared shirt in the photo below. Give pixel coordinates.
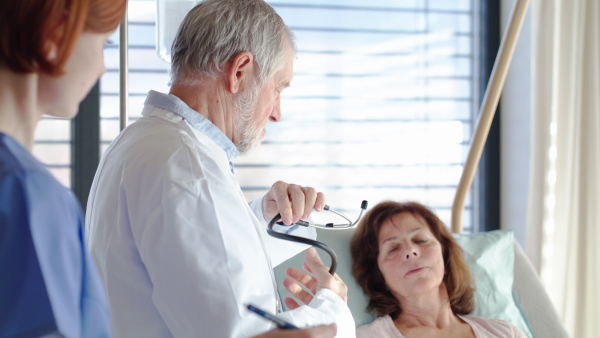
(175, 105)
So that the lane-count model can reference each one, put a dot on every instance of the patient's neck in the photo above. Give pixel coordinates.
(429, 309)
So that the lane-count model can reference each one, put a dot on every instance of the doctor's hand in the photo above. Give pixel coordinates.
(322, 331)
(292, 202)
(322, 280)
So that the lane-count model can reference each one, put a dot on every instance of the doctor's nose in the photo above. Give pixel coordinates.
(276, 113)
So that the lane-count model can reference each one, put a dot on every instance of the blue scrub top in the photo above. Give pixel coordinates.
(48, 282)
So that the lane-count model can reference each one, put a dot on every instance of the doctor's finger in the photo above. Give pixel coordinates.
(277, 201)
(297, 291)
(298, 201)
(313, 200)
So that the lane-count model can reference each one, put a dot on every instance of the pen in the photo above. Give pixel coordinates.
(282, 324)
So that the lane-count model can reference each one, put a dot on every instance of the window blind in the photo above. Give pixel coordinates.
(381, 105)
(52, 146)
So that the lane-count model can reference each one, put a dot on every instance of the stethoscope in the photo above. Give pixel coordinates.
(328, 226)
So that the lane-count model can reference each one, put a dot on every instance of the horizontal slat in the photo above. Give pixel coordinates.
(418, 65)
(144, 11)
(385, 5)
(365, 108)
(450, 5)
(449, 22)
(138, 35)
(56, 130)
(349, 42)
(349, 199)
(109, 106)
(402, 133)
(109, 129)
(435, 64)
(418, 176)
(350, 19)
(51, 154)
(139, 58)
(390, 86)
(355, 154)
(139, 83)
(373, 22)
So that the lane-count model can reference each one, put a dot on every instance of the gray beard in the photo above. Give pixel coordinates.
(245, 126)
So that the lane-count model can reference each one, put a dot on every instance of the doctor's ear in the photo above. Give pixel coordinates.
(241, 72)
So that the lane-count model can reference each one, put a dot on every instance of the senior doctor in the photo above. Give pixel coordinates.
(179, 249)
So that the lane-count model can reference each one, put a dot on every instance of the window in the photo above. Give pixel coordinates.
(53, 147)
(381, 105)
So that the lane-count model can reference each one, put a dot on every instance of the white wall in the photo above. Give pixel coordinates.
(515, 126)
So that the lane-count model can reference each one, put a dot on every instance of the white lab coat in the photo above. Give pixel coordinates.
(178, 248)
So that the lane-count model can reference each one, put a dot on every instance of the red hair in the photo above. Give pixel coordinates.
(364, 249)
(29, 27)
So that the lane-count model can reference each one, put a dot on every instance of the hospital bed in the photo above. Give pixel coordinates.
(525, 304)
(528, 292)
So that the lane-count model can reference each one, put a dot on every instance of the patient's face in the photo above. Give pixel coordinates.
(410, 257)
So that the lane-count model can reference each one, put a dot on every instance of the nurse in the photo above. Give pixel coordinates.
(179, 248)
(51, 54)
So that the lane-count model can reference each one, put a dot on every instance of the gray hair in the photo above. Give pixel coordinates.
(215, 31)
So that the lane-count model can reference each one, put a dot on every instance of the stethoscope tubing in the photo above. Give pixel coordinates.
(303, 240)
(308, 241)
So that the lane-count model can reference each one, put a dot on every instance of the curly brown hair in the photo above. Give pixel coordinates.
(365, 250)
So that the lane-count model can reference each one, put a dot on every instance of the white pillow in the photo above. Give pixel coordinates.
(490, 255)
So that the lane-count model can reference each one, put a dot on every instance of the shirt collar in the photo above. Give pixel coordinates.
(175, 105)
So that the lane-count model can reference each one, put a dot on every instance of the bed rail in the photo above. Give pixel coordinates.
(488, 109)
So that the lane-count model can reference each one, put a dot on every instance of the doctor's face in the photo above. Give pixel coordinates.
(62, 94)
(410, 257)
(258, 106)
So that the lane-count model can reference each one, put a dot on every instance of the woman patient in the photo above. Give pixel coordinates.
(416, 277)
